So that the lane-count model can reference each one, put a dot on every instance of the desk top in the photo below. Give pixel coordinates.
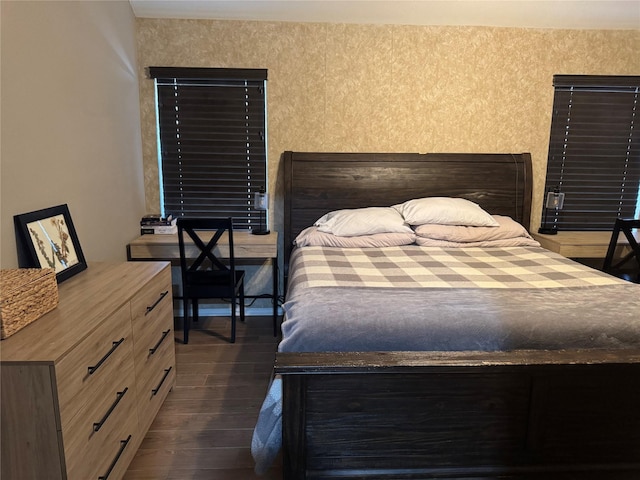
(582, 244)
(165, 247)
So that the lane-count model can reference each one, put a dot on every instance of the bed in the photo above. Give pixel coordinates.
(532, 375)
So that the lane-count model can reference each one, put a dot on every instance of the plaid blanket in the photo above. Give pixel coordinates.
(432, 267)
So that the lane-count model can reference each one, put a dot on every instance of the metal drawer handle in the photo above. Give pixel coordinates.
(164, 335)
(98, 426)
(155, 304)
(123, 445)
(164, 377)
(93, 369)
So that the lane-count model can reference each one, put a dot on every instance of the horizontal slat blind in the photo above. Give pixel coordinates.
(212, 131)
(594, 151)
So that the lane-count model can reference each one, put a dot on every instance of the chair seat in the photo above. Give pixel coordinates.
(211, 284)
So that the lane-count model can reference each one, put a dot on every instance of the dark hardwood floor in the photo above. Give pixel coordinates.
(204, 429)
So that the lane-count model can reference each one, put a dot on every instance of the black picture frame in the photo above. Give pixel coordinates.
(47, 239)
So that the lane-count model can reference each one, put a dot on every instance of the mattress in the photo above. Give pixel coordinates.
(413, 298)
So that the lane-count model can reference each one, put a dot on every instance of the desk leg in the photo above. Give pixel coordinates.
(274, 268)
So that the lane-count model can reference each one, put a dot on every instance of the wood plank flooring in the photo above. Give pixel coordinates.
(204, 428)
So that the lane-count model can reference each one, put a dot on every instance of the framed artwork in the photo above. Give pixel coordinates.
(47, 239)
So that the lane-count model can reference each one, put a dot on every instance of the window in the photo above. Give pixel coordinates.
(594, 151)
(212, 153)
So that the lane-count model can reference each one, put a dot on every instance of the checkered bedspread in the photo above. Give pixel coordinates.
(431, 267)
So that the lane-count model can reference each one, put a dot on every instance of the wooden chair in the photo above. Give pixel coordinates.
(624, 225)
(206, 275)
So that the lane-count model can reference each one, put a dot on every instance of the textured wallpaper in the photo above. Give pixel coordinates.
(377, 88)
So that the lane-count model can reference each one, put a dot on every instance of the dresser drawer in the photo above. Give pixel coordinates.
(155, 382)
(118, 449)
(112, 415)
(152, 320)
(152, 331)
(153, 297)
(154, 351)
(96, 361)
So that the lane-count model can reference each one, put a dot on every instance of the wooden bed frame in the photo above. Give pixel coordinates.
(449, 415)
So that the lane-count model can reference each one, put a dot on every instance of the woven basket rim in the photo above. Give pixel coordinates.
(10, 279)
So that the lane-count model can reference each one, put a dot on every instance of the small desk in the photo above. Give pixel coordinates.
(246, 246)
(582, 244)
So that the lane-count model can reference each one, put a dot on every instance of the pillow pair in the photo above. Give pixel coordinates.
(361, 227)
(396, 219)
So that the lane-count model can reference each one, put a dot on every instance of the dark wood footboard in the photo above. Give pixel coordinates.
(461, 415)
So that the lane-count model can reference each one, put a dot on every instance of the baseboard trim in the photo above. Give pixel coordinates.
(226, 312)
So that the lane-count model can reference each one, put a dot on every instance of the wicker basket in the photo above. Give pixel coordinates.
(25, 295)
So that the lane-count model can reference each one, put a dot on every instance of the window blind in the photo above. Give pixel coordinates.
(212, 141)
(594, 151)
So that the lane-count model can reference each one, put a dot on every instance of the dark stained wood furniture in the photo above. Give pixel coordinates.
(316, 183)
(624, 267)
(454, 415)
(447, 415)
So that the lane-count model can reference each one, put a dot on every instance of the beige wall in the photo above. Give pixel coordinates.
(335, 87)
(71, 122)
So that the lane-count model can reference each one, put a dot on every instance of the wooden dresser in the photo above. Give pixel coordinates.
(82, 384)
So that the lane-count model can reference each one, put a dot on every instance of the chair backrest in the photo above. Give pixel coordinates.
(205, 234)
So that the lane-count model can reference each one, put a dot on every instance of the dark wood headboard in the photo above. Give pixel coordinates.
(317, 183)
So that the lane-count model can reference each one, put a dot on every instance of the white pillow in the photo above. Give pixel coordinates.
(362, 221)
(310, 236)
(445, 211)
(507, 229)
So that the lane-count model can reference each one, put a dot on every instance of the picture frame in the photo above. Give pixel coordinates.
(47, 239)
